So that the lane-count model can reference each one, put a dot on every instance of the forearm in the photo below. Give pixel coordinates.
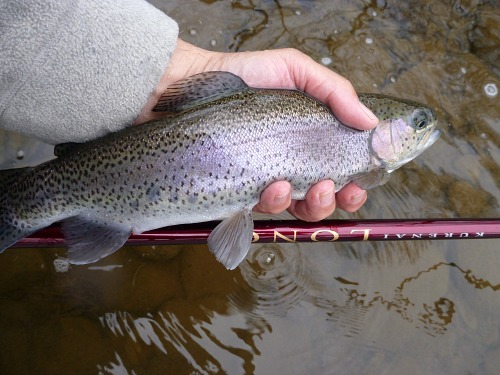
(73, 71)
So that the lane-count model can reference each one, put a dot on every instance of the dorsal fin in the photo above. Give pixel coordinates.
(63, 148)
(199, 89)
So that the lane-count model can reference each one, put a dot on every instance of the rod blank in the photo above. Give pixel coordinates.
(289, 231)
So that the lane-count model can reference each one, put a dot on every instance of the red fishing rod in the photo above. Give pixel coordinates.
(289, 231)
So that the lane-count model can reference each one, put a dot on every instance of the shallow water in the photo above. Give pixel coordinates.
(382, 308)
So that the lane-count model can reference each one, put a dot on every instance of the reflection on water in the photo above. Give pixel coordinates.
(401, 307)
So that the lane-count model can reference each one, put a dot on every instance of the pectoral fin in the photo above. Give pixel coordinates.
(89, 240)
(230, 240)
(369, 180)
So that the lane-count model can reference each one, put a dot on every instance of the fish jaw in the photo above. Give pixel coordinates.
(433, 137)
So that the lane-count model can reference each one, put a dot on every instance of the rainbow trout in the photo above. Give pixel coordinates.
(221, 145)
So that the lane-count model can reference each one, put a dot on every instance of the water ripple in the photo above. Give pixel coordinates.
(276, 281)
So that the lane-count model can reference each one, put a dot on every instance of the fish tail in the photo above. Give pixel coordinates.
(9, 232)
(10, 229)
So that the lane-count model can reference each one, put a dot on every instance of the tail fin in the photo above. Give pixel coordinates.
(10, 233)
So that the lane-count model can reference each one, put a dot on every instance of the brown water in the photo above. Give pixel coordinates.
(362, 308)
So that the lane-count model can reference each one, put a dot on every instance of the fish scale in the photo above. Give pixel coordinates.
(211, 159)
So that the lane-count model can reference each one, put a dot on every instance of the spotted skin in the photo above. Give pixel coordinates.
(204, 163)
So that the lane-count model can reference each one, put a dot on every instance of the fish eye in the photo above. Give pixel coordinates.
(420, 119)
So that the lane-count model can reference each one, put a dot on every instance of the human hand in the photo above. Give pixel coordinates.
(284, 68)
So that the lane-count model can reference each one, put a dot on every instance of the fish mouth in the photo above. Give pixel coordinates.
(431, 140)
(433, 137)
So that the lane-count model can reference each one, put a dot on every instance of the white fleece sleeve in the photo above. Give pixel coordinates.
(73, 70)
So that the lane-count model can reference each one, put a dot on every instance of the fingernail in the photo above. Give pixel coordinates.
(326, 198)
(355, 199)
(280, 199)
(367, 112)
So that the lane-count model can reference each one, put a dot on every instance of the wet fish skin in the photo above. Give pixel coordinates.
(209, 161)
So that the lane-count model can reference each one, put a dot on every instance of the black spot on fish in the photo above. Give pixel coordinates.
(153, 193)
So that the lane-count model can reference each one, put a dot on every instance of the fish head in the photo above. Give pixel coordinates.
(406, 129)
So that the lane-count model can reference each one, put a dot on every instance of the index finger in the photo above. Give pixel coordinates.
(332, 89)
